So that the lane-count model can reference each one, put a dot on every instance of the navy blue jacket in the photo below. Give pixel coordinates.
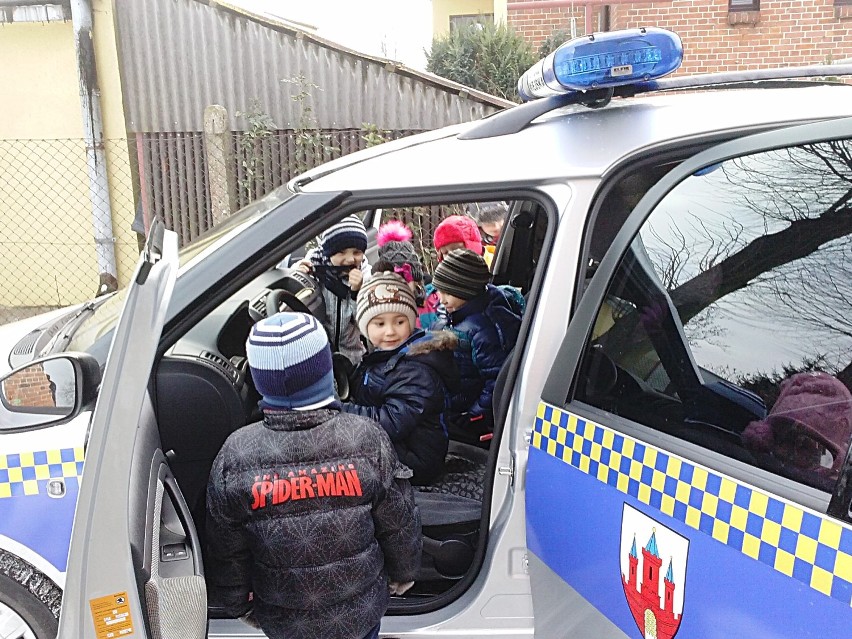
(487, 328)
(405, 390)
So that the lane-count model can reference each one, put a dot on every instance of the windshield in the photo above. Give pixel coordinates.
(89, 335)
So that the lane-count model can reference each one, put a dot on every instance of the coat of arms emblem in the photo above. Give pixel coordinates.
(653, 573)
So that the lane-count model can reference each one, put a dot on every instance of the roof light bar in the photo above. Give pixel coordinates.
(603, 60)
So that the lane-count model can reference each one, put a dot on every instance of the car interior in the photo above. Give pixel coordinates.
(208, 370)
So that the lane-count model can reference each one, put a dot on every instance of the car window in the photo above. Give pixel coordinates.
(729, 320)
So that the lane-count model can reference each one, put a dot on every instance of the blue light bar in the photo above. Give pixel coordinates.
(603, 60)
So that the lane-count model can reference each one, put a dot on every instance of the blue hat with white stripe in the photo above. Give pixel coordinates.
(290, 362)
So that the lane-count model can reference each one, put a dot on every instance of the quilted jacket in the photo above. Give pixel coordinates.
(312, 513)
(405, 390)
(487, 328)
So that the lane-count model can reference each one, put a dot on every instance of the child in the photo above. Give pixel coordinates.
(310, 509)
(402, 383)
(486, 320)
(394, 247)
(456, 231)
(339, 266)
(807, 431)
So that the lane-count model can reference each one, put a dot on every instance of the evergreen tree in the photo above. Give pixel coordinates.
(486, 57)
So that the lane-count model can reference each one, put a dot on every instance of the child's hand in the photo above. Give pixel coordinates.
(356, 278)
(304, 266)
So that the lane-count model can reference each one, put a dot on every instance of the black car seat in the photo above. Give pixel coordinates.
(450, 512)
(451, 508)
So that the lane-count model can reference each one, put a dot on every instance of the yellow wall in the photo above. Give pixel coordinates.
(443, 9)
(48, 255)
(501, 11)
(38, 82)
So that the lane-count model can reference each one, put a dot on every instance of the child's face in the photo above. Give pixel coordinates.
(349, 257)
(451, 302)
(388, 330)
(446, 248)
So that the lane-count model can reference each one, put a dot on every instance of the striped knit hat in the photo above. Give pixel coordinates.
(385, 293)
(290, 362)
(462, 273)
(348, 233)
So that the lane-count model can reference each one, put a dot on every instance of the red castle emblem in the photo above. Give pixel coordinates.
(654, 591)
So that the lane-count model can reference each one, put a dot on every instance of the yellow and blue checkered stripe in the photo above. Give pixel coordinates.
(27, 473)
(811, 548)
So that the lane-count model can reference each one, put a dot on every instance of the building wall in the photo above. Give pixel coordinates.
(48, 256)
(536, 25)
(443, 9)
(39, 82)
(783, 32)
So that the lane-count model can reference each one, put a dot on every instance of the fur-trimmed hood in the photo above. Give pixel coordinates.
(432, 342)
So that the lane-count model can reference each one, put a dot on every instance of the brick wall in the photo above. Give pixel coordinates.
(783, 32)
(31, 387)
(537, 24)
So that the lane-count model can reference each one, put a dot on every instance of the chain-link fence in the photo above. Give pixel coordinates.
(72, 218)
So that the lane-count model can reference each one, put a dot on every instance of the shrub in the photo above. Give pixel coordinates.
(486, 57)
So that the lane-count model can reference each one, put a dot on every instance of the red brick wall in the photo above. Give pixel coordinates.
(30, 387)
(537, 24)
(783, 32)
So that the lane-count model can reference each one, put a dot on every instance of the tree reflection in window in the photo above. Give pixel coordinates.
(741, 278)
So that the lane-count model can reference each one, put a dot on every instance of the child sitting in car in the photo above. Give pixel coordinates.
(486, 319)
(402, 383)
(456, 231)
(340, 268)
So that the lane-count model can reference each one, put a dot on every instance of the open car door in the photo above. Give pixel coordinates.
(134, 567)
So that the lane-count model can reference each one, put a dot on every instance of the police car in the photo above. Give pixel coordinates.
(671, 451)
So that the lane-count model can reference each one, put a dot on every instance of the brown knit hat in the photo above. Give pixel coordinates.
(462, 273)
(384, 293)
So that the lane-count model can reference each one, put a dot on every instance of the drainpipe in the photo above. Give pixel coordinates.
(93, 132)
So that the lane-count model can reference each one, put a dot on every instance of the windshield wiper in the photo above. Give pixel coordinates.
(62, 339)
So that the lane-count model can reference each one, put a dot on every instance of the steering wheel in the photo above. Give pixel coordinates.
(278, 296)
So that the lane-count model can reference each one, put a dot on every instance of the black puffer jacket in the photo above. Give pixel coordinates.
(308, 510)
(405, 390)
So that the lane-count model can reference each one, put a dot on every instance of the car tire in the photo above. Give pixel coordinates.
(22, 614)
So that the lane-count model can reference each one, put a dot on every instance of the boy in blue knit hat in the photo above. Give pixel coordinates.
(311, 517)
(339, 265)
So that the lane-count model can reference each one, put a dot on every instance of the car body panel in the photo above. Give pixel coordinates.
(579, 142)
(719, 537)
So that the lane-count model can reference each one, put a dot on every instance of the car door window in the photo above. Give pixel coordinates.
(728, 322)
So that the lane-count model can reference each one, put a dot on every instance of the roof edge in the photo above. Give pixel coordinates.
(293, 28)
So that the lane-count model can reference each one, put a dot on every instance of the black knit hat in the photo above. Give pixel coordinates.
(462, 273)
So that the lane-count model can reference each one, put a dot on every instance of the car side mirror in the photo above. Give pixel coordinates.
(48, 391)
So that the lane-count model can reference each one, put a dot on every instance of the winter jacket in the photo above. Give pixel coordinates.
(405, 390)
(339, 322)
(432, 314)
(487, 328)
(312, 512)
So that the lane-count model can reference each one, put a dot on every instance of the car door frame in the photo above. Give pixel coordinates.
(101, 562)
(552, 610)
